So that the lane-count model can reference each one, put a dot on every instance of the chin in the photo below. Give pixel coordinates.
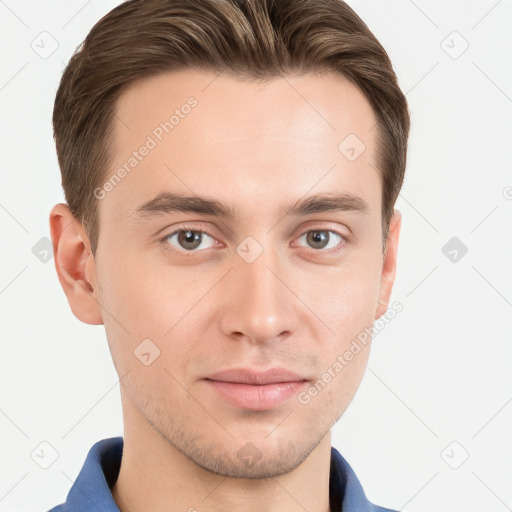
(250, 461)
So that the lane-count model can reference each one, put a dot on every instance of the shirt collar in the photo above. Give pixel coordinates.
(91, 490)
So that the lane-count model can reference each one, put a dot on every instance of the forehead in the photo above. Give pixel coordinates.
(298, 107)
(214, 134)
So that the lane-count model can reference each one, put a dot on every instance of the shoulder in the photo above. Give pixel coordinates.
(58, 508)
(348, 487)
(99, 471)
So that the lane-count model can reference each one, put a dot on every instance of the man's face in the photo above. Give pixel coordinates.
(258, 290)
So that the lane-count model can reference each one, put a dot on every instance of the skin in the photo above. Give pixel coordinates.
(255, 147)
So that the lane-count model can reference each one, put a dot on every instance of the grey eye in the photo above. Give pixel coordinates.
(189, 239)
(322, 239)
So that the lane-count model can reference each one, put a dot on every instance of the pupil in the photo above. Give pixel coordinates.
(319, 237)
(189, 239)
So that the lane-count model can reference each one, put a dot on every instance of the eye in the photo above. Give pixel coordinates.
(323, 239)
(189, 240)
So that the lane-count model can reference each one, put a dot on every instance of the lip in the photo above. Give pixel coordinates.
(247, 388)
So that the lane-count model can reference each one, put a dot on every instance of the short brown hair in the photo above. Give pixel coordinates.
(253, 39)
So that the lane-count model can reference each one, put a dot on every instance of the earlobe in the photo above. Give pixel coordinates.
(389, 264)
(75, 264)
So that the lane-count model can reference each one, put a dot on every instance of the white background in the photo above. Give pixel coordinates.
(439, 372)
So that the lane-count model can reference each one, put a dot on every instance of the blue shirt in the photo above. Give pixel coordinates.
(91, 490)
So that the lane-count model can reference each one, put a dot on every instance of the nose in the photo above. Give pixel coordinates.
(257, 304)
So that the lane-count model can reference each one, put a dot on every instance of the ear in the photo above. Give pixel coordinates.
(389, 264)
(75, 264)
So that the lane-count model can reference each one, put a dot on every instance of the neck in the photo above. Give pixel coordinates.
(155, 476)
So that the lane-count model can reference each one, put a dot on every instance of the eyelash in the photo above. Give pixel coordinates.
(168, 247)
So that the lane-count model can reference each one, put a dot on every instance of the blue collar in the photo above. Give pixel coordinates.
(91, 490)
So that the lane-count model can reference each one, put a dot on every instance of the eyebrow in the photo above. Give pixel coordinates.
(168, 202)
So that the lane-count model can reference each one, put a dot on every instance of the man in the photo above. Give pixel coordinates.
(230, 170)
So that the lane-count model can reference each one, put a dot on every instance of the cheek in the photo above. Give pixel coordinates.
(144, 297)
(156, 303)
(129, 307)
(346, 299)
(331, 393)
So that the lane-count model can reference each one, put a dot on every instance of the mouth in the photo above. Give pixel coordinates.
(246, 388)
